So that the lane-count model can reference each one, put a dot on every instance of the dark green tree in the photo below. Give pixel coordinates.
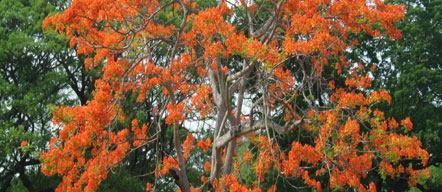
(35, 68)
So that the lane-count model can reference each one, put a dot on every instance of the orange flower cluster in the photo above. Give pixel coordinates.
(167, 163)
(265, 158)
(188, 145)
(407, 123)
(175, 113)
(207, 166)
(362, 82)
(234, 186)
(81, 125)
(140, 136)
(210, 22)
(202, 101)
(311, 182)
(298, 153)
(24, 143)
(148, 187)
(204, 145)
(247, 156)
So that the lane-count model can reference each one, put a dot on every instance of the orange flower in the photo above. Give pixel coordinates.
(203, 179)
(207, 166)
(224, 70)
(247, 156)
(195, 189)
(214, 66)
(175, 113)
(272, 188)
(167, 163)
(24, 143)
(392, 123)
(407, 123)
(373, 68)
(188, 145)
(372, 187)
(331, 84)
(204, 145)
(148, 187)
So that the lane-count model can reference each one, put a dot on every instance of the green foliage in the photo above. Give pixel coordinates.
(30, 79)
(121, 180)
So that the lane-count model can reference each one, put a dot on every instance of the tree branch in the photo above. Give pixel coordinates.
(258, 124)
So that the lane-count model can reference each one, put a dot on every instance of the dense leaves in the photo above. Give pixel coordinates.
(37, 71)
(28, 84)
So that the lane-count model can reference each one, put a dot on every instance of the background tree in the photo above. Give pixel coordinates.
(261, 72)
(35, 69)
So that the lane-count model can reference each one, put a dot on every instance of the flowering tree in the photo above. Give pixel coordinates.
(258, 71)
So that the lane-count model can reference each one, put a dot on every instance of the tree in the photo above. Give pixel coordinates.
(35, 67)
(261, 77)
(28, 84)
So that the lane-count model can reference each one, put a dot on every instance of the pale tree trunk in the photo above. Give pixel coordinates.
(223, 89)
